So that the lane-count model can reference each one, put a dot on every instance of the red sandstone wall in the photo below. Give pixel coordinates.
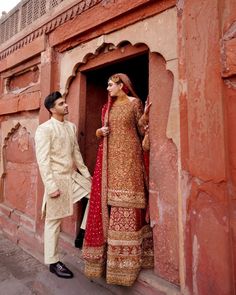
(228, 55)
(208, 146)
(163, 173)
(208, 252)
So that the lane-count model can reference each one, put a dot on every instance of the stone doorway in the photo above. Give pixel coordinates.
(150, 74)
(136, 67)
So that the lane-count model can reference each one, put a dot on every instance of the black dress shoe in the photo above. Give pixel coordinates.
(60, 270)
(80, 238)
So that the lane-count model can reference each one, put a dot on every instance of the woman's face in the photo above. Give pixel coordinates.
(113, 88)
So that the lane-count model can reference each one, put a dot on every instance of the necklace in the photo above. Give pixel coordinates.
(121, 101)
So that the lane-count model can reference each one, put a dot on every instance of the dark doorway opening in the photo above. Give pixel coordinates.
(136, 67)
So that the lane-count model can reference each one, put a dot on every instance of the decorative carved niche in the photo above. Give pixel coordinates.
(23, 80)
(19, 177)
(18, 145)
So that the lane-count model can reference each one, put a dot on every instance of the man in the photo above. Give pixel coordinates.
(57, 153)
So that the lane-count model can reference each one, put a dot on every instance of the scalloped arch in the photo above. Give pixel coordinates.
(162, 40)
(101, 49)
(3, 164)
(8, 128)
(10, 133)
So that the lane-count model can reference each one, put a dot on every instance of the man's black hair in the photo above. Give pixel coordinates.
(50, 100)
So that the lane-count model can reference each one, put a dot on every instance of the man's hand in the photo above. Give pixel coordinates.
(55, 194)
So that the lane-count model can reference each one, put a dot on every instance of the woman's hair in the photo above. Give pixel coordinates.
(49, 101)
(127, 84)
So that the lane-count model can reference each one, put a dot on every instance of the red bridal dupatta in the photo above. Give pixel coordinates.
(94, 247)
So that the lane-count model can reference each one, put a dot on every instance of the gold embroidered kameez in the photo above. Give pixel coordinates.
(118, 242)
(126, 196)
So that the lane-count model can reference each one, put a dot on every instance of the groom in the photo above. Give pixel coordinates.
(57, 153)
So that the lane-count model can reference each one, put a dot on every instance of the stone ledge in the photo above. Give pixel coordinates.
(5, 210)
(22, 102)
(161, 286)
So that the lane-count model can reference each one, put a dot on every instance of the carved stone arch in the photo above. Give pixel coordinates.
(3, 157)
(18, 168)
(5, 142)
(171, 65)
(20, 134)
(103, 48)
(88, 56)
(162, 40)
(22, 143)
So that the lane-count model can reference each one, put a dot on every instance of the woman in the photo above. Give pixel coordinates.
(117, 238)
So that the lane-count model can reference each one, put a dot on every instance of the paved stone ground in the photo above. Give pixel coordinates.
(21, 274)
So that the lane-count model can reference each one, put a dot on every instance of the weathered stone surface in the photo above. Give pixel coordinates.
(19, 103)
(9, 106)
(163, 172)
(204, 182)
(24, 53)
(229, 57)
(24, 79)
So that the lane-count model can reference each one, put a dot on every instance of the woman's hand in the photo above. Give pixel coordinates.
(147, 108)
(104, 131)
(144, 120)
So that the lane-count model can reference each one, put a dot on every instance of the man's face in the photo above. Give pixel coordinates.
(60, 107)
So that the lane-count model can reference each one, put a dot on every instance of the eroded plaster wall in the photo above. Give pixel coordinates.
(204, 180)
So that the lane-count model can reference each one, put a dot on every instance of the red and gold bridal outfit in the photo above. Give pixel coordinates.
(119, 240)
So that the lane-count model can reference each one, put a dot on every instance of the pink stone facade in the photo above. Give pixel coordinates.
(180, 53)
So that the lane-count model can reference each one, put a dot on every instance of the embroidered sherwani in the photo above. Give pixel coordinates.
(58, 153)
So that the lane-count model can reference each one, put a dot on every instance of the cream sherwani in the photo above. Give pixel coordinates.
(57, 152)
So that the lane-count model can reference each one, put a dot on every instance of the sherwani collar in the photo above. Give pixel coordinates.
(57, 121)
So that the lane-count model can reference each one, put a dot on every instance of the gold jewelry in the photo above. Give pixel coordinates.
(115, 79)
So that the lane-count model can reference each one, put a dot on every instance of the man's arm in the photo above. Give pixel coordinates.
(42, 148)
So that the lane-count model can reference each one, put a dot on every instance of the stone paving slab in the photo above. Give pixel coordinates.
(21, 274)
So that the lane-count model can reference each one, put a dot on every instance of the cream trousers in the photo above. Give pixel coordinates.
(51, 237)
